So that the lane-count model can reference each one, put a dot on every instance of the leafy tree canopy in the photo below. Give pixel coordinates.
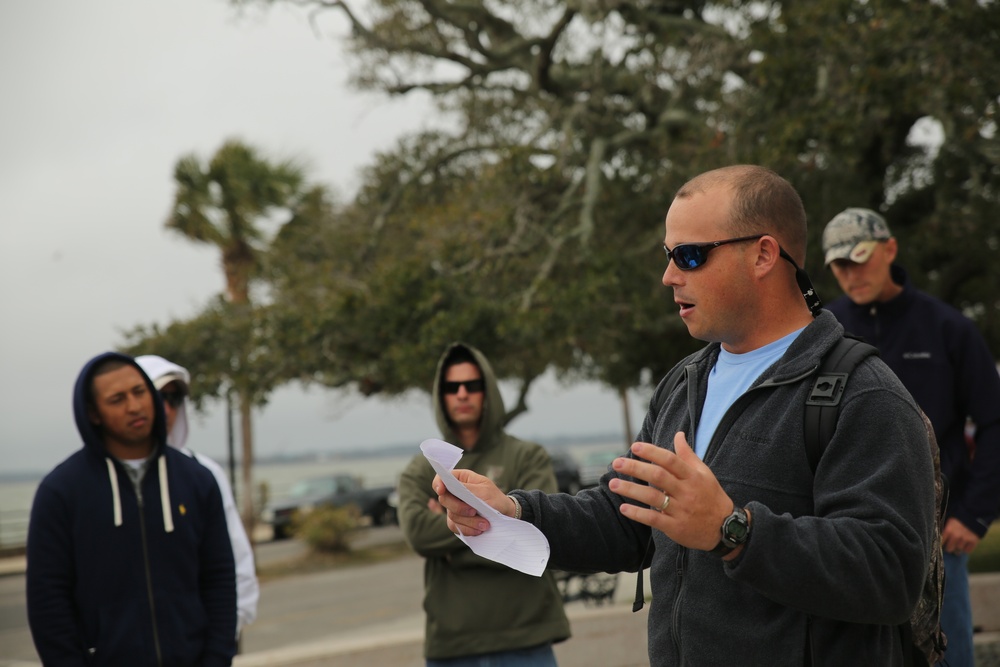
(531, 227)
(838, 97)
(225, 347)
(594, 112)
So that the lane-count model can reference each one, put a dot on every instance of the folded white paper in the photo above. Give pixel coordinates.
(511, 542)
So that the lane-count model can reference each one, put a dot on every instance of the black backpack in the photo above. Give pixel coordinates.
(922, 639)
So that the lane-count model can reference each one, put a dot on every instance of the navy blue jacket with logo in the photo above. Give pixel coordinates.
(946, 365)
(113, 579)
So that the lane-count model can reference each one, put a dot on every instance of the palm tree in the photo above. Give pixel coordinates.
(224, 203)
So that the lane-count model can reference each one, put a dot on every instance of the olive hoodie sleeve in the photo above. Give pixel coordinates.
(535, 470)
(425, 531)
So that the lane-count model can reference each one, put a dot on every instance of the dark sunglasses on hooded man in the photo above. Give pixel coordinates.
(471, 386)
(173, 397)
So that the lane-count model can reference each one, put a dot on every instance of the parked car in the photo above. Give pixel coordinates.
(594, 466)
(567, 471)
(330, 491)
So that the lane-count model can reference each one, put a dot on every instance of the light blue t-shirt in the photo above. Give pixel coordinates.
(729, 378)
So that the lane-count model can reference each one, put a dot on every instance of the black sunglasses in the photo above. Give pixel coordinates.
(173, 398)
(471, 386)
(690, 256)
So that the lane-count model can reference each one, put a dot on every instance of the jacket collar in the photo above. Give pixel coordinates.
(894, 306)
(802, 358)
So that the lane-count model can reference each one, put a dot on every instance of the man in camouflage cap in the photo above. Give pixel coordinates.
(946, 365)
(854, 235)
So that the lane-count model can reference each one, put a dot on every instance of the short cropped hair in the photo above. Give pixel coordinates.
(763, 202)
(459, 354)
(106, 366)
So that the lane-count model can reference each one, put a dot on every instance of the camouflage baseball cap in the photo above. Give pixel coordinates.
(853, 234)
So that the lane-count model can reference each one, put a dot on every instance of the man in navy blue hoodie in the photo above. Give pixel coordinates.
(946, 365)
(129, 561)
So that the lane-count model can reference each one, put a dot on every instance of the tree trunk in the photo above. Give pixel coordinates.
(246, 430)
(230, 445)
(237, 264)
(626, 419)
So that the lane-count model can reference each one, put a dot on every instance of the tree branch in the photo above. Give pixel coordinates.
(522, 403)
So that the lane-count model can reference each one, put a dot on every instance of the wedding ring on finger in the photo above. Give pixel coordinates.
(666, 501)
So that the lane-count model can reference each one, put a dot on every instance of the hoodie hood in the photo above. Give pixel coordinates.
(494, 413)
(91, 435)
(93, 442)
(162, 372)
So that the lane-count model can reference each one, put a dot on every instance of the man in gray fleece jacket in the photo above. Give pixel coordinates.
(755, 559)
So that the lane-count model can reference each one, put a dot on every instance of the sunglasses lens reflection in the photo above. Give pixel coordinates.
(688, 257)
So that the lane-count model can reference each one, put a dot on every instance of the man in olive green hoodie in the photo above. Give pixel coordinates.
(477, 609)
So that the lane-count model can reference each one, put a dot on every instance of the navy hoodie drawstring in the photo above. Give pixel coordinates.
(168, 518)
(116, 497)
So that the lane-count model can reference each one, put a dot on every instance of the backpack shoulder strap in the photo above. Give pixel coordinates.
(823, 404)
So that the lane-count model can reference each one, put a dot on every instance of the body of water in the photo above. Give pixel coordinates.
(377, 470)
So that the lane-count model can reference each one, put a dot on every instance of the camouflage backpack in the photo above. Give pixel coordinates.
(922, 638)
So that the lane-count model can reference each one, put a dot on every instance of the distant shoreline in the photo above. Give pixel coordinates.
(308, 456)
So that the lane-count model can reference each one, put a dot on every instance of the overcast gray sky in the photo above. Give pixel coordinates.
(99, 99)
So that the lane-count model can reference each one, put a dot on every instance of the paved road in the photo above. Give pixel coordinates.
(602, 637)
(292, 610)
(308, 607)
(15, 639)
(371, 615)
(364, 615)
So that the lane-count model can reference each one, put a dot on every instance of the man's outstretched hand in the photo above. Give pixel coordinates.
(697, 504)
(462, 518)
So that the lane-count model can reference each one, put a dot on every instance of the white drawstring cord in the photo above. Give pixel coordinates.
(116, 496)
(168, 517)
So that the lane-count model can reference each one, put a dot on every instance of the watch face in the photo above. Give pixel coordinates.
(737, 531)
(735, 528)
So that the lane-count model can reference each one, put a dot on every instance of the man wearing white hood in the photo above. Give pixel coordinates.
(172, 381)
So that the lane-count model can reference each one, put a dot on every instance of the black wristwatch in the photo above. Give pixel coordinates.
(735, 531)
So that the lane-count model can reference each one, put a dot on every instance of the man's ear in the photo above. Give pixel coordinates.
(891, 249)
(92, 413)
(768, 253)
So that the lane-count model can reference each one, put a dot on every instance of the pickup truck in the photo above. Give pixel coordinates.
(330, 491)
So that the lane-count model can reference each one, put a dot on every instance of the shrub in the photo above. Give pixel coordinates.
(327, 529)
(986, 557)
(263, 498)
